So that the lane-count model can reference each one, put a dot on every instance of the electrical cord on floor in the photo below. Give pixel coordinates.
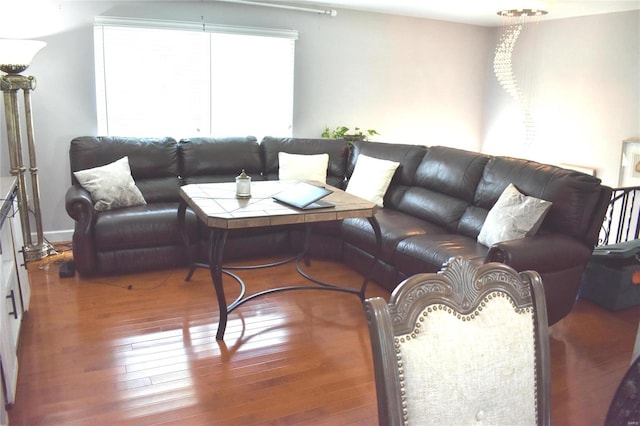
(60, 250)
(67, 270)
(124, 286)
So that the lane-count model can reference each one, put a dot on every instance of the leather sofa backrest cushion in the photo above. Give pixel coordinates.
(444, 185)
(451, 171)
(338, 151)
(574, 195)
(219, 159)
(153, 162)
(408, 155)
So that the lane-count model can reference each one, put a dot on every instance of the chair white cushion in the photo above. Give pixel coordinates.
(478, 365)
(303, 167)
(111, 186)
(371, 178)
(514, 216)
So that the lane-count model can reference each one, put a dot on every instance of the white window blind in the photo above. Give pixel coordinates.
(157, 78)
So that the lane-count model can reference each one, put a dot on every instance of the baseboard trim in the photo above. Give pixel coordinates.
(58, 236)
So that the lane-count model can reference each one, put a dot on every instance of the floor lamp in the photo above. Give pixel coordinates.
(15, 57)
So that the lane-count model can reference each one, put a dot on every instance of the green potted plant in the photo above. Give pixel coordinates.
(343, 132)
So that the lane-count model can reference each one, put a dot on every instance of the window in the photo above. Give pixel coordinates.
(157, 78)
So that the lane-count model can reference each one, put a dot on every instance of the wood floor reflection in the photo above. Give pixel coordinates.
(141, 349)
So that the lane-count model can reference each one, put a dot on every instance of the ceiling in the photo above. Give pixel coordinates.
(477, 12)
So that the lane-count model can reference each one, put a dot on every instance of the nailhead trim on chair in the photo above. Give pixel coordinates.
(440, 307)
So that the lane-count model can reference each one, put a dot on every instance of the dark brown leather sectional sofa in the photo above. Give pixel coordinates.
(433, 210)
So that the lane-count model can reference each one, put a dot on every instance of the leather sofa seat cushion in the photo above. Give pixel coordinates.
(207, 160)
(394, 226)
(141, 226)
(427, 253)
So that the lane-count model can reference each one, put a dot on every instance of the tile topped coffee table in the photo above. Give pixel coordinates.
(216, 205)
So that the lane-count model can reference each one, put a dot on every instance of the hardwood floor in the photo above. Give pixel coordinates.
(140, 349)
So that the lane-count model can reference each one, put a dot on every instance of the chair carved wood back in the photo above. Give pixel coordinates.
(468, 344)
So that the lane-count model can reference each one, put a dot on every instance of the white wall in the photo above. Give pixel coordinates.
(413, 80)
(584, 95)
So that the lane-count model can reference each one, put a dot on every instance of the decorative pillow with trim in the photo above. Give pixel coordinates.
(111, 186)
(303, 167)
(371, 178)
(514, 216)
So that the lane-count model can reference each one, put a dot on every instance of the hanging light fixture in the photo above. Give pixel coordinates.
(15, 57)
(514, 23)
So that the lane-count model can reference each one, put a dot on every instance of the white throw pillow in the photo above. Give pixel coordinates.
(514, 216)
(371, 178)
(303, 167)
(111, 186)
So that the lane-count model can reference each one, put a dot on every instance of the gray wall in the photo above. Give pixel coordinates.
(414, 80)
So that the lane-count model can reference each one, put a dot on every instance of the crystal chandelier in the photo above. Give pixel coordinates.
(514, 21)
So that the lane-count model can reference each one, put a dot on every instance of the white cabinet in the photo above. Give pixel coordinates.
(14, 286)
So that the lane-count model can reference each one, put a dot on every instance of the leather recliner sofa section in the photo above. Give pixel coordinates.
(434, 209)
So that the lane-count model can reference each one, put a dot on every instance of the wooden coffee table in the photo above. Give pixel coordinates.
(216, 205)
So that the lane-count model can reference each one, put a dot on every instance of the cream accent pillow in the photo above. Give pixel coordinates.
(303, 167)
(371, 178)
(111, 186)
(514, 216)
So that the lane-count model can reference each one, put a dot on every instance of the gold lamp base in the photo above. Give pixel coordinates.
(37, 252)
(15, 57)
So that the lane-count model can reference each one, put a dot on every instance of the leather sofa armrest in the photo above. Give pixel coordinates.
(541, 253)
(79, 206)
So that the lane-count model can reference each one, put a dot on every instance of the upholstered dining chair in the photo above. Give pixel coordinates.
(466, 345)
